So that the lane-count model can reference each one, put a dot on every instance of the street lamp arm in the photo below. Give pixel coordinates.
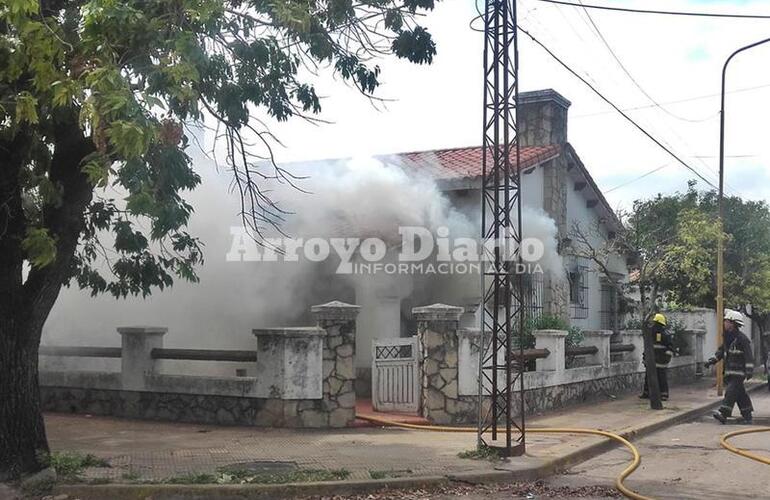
(724, 77)
(720, 243)
(742, 49)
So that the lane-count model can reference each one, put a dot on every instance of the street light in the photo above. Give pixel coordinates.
(721, 250)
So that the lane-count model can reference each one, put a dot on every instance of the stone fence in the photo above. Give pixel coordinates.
(304, 377)
(450, 366)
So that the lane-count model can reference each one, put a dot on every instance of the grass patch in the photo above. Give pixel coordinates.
(251, 477)
(192, 479)
(100, 480)
(69, 465)
(130, 476)
(481, 453)
(385, 474)
(378, 474)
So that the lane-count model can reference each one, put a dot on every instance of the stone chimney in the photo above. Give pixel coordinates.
(542, 118)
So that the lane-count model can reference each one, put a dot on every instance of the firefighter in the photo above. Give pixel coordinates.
(664, 350)
(738, 367)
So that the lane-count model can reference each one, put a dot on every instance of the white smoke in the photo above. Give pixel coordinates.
(353, 198)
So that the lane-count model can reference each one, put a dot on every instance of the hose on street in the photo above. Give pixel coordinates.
(738, 451)
(637, 459)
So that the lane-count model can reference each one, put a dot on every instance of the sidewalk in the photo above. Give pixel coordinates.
(156, 451)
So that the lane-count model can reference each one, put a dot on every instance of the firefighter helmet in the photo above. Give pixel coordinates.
(734, 316)
(659, 318)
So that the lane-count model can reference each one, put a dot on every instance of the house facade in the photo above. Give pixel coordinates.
(555, 182)
(556, 186)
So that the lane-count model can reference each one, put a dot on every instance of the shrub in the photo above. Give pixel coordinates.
(549, 322)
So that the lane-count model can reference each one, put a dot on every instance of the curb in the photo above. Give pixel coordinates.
(329, 488)
(590, 451)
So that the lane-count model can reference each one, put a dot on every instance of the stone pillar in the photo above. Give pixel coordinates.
(137, 343)
(338, 319)
(468, 318)
(600, 339)
(635, 338)
(469, 342)
(553, 340)
(437, 327)
(697, 352)
(289, 363)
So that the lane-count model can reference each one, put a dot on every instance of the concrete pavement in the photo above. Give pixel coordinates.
(155, 451)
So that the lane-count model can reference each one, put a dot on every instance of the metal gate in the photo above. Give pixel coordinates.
(396, 375)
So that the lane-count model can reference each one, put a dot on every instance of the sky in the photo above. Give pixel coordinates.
(671, 58)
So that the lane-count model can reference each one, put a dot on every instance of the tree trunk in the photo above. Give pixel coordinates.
(651, 373)
(25, 305)
(22, 432)
(650, 369)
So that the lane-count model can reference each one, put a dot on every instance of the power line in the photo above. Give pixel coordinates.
(624, 115)
(689, 99)
(662, 12)
(593, 29)
(625, 70)
(637, 178)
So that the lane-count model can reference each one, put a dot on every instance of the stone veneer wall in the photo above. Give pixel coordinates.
(448, 398)
(214, 400)
(191, 408)
(542, 399)
(339, 351)
(437, 332)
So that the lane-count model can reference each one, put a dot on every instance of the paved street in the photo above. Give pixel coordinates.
(681, 462)
(686, 461)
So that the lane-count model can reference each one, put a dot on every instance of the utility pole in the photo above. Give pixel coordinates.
(501, 368)
(721, 250)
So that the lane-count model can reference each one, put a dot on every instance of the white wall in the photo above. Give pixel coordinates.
(588, 218)
(705, 319)
(532, 188)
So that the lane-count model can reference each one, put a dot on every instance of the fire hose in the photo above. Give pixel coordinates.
(637, 459)
(741, 452)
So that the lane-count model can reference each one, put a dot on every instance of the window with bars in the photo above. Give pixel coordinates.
(532, 285)
(609, 307)
(578, 288)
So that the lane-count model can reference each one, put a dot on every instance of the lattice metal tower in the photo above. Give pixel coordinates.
(501, 364)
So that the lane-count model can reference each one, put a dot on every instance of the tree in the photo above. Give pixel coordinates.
(747, 255)
(96, 94)
(663, 243)
(747, 260)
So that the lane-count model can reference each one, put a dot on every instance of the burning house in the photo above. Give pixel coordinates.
(353, 205)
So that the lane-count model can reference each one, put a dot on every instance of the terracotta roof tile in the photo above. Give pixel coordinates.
(462, 163)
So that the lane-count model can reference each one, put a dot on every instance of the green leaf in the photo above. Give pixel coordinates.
(40, 247)
(97, 168)
(26, 108)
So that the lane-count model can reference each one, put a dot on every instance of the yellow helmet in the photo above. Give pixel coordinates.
(659, 318)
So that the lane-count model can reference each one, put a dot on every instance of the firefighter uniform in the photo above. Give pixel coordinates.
(738, 367)
(663, 344)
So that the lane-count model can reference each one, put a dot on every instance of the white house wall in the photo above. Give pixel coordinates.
(532, 188)
(578, 211)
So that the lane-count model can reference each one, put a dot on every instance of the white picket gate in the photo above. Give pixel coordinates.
(396, 375)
